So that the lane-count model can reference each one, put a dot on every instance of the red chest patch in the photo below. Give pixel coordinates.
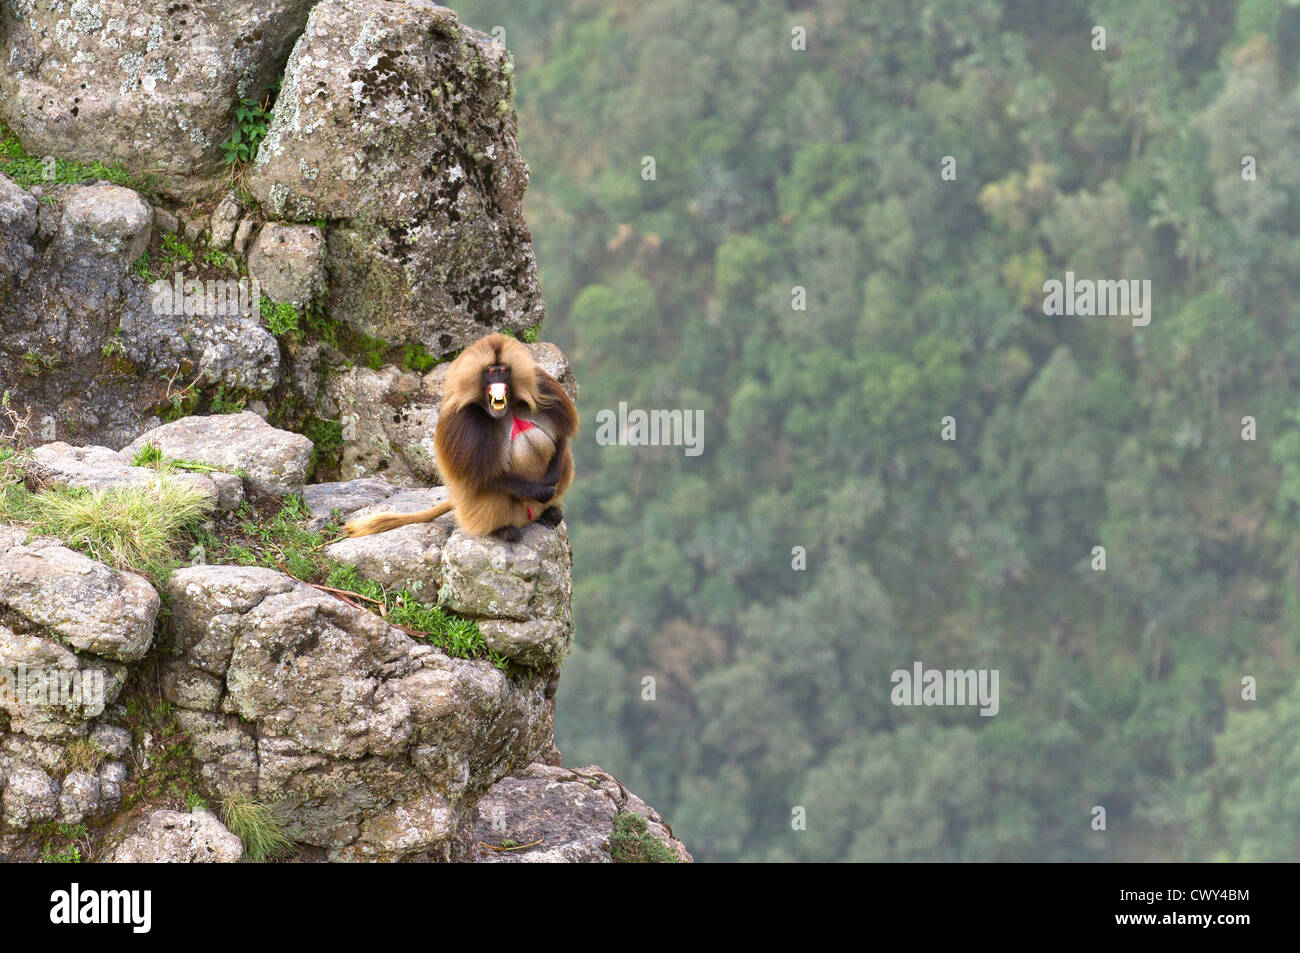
(520, 426)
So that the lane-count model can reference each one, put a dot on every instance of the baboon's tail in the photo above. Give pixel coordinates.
(381, 522)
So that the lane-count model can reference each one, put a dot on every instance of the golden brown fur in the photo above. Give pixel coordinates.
(479, 456)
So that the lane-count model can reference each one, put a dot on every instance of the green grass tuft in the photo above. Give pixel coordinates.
(416, 358)
(175, 249)
(82, 755)
(224, 403)
(257, 826)
(28, 170)
(135, 528)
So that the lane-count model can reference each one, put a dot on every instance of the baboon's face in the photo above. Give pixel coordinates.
(496, 389)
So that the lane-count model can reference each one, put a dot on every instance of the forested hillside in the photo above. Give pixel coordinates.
(821, 168)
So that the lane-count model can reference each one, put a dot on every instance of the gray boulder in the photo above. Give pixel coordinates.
(396, 123)
(388, 422)
(408, 557)
(78, 797)
(231, 350)
(61, 693)
(17, 228)
(173, 837)
(325, 500)
(225, 222)
(487, 578)
(99, 468)
(30, 796)
(112, 740)
(274, 462)
(152, 87)
(90, 607)
(104, 223)
(537, 642)
(111, 778)
(550, 814)
(68, 354)
(288, 262)
(371, 745)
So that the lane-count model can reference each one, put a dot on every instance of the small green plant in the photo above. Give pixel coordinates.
(415, 357)
(182, 400)
(169, 774)
(281, 542)
(326, 437)
(15, 428)
(67, 854)
(113, 348)
(195, 802)
(176, 249)
(63, 843)
(459, 637)
(151, 456)
(35, 363)
(143, 268)
(252, 117)
(527, 335)
(281, 318)
(632, 842)
(328, 330)
(257, 826)
(223, 403)
(148, 456)
(216, 258)
(374, 351)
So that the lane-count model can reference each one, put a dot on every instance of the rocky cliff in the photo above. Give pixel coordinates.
(236, 248)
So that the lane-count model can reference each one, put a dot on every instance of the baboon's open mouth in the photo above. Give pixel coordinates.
(497, 396)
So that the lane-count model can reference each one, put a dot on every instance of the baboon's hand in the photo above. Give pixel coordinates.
(542, 492)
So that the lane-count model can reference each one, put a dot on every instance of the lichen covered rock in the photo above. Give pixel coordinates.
(87, 605)
(485, 577)
(396, 123)
(91, 352)
(273, 462)
(173, 837)
(371, 744)
(99, 468)
(153, 87)
(409, 557)
(551, 814)
(288, 262)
